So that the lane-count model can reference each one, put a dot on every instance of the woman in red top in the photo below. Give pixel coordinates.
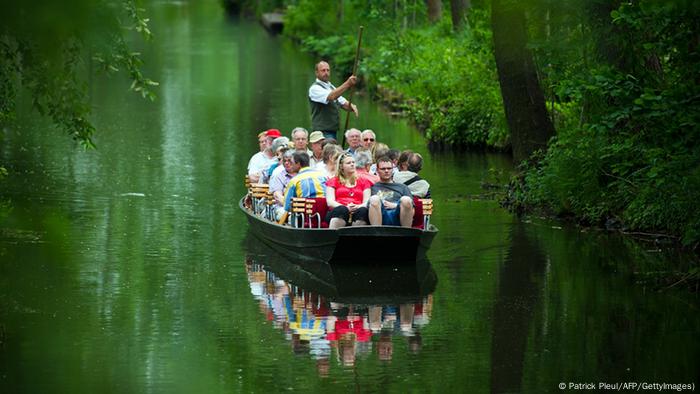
(347, 195)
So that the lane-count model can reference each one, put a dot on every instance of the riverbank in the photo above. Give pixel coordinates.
(624, 151)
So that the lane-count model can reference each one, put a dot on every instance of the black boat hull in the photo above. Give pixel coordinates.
(346, 244)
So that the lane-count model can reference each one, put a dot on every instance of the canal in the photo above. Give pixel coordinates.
(130, 269)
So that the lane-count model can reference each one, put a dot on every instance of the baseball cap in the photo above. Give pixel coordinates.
(274, 133)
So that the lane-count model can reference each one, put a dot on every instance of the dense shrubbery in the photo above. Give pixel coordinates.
(450, 81)
(634, 155)
(446, 82)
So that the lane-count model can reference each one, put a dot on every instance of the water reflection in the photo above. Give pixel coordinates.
(342, 314)
(519, 293)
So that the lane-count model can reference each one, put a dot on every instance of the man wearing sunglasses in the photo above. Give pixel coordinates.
(326, 100)
(391, 204)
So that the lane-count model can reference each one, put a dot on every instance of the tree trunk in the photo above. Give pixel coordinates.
(606, 33)
(341, 13)
(458, 9)
(528, 120)
(434, 10)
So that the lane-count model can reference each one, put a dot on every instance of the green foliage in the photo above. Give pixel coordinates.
(451, 82)
(47, 49)
(447, 84)
(632, 152)
(5, 204)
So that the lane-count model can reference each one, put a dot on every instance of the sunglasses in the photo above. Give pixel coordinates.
(369, 139)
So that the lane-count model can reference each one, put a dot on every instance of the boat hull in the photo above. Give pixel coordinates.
(348, 244)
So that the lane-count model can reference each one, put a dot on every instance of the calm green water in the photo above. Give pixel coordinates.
(130, 268)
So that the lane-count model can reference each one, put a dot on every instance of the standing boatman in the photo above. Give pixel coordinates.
(325, 99)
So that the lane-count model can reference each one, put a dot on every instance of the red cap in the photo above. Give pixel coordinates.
(274, 133)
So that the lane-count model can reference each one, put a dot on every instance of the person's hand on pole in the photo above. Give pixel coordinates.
(351, 81)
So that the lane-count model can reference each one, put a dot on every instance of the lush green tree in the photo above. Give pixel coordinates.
(49, 49)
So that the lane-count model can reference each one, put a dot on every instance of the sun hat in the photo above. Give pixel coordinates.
(316, 136)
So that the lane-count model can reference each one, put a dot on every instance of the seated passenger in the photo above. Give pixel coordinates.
(265, 157)
(391, 204)
(378, 150)
(308, 183)
(300, 139)
(418, 186)
(280, 179)
(394, 156)
(316, 140)
(279, 146)
(354, 139)
(347, 195)
(368, 139)
(363, 162)
(402, 162)
(330, 158)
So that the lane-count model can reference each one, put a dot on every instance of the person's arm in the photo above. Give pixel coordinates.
(365, 196)
(348, 106)
(279, 197)
(337, 92)
(330, 197)
(254, 177)
(288, 195)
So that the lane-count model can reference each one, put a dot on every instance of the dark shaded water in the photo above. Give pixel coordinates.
(129, 268)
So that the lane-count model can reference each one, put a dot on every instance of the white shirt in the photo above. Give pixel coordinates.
(320, 94)
(321, 166)
(259, 163)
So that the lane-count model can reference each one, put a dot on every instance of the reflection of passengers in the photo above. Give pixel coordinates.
(346, 195)
(385, 347)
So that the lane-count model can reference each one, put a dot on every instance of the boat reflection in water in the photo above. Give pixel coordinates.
(342, 313)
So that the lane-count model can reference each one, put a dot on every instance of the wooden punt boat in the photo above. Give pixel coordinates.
(348, 244)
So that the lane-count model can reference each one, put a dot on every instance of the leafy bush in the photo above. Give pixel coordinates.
(450, 81)
(638, 161)
(447, 83)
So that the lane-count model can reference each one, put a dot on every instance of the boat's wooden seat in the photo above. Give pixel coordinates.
(309, 212)
(247, 183)
(423, 211)
(427, 211)
(259, 193)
